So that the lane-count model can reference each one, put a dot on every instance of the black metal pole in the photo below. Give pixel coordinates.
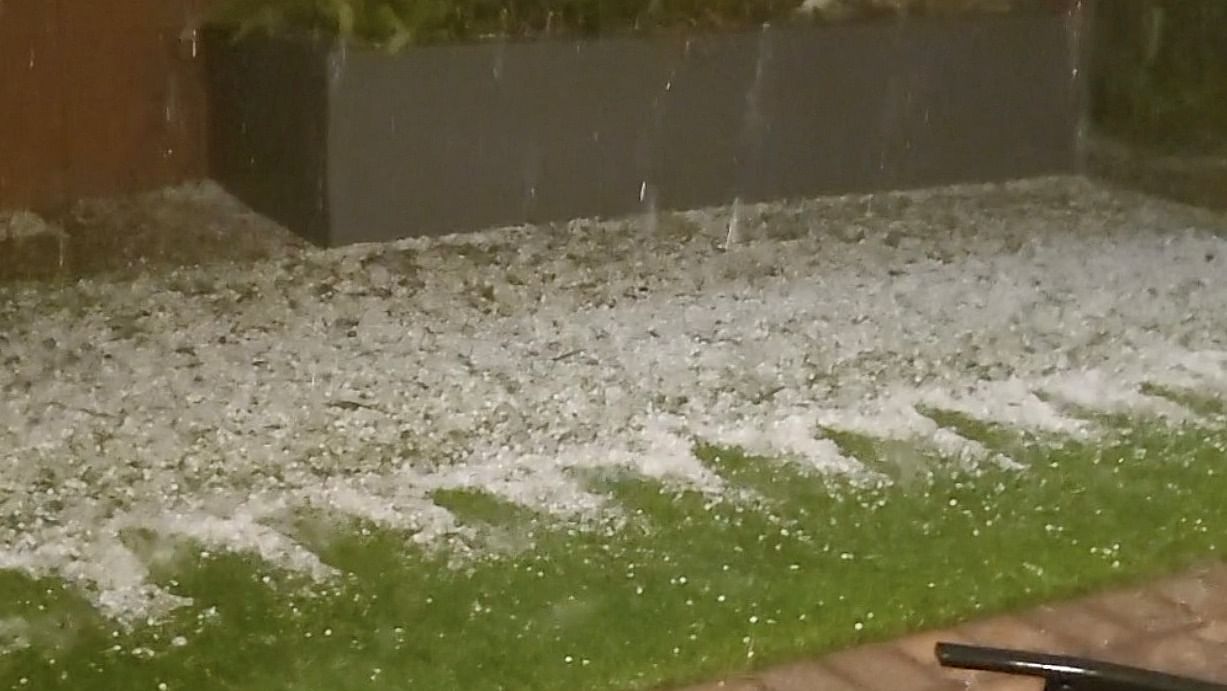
(1064, 672)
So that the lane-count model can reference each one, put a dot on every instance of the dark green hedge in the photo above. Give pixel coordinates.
(394, 24)
(1160, 71)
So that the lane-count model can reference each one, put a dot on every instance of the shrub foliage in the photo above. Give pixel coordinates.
(394, 24)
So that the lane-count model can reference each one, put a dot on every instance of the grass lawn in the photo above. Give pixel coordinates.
(688, 587)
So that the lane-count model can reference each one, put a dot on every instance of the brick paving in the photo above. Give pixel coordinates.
(1176, 625)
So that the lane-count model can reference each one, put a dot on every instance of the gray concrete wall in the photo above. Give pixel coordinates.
(458, 138)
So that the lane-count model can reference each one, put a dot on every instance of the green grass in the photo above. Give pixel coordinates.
(687, 588)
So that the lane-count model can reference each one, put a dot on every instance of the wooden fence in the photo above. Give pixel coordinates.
(97, 97)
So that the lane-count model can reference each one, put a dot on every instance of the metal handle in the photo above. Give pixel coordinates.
(1064, 672)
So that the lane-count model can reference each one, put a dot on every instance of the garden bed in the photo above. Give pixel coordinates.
(344, 143)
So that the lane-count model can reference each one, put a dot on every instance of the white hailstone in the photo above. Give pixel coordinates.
(225, 392)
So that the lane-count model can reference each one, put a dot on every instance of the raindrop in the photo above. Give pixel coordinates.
(734, 230)
(496, 69)
(189, 41)
(337, 60)
(1077, 49)
(647, 199)
(170, 110)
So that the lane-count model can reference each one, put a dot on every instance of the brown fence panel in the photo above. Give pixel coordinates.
(97, 97)
(32, 150)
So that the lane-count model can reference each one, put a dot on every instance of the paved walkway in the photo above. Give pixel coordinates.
(1177, 625)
